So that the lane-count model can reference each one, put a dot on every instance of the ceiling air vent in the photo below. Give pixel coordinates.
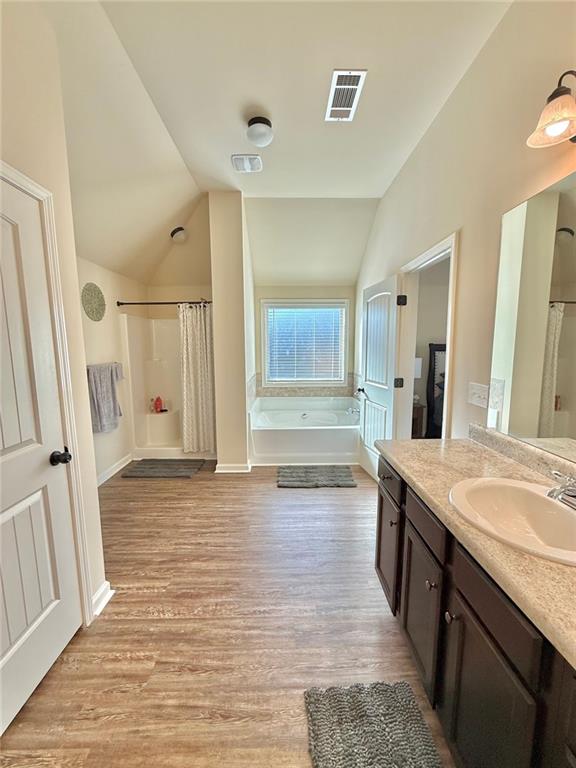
(247, 163)
(345, 90)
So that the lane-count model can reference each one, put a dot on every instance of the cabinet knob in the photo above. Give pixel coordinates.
(450, 617)
(430, 585)
(392, 523)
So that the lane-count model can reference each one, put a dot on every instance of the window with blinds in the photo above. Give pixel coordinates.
(304, 342)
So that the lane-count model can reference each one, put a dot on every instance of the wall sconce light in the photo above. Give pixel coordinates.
(558, 118)
(179, 235)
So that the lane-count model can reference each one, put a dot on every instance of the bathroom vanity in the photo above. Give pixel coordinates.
(492, 629)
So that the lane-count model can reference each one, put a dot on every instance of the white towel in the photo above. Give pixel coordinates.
(104, 406)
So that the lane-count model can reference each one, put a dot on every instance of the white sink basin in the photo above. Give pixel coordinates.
(519, 514)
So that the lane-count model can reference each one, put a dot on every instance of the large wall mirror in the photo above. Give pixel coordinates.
(533, 380)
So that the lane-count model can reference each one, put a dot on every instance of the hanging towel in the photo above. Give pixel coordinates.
(104, 406)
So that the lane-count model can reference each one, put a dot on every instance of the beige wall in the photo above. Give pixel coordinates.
(188, 263)
(226, 245)
(33, 141)
(249, 318)
(304, 292)
(174, 293)
(104, 343)
(470, 167)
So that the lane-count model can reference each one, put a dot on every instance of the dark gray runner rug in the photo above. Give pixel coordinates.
(163, 468)
(329, 476)
(368, 726)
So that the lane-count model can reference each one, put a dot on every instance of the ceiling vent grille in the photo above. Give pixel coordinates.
(345, 90)
(247, 163)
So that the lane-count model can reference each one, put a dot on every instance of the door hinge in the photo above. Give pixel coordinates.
(398, 383)
(401, 300)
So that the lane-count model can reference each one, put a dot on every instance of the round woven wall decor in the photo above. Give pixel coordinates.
(93, 302)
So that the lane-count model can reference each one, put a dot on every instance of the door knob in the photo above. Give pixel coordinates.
(430, 585)
(60, 457)
(449, 617)
(392, 523)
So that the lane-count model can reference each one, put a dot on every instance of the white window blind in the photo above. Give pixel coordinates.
(304, 341)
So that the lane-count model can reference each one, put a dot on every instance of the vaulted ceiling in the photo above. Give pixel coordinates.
(156, 95)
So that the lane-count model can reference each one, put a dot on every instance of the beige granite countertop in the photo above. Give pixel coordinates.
(544, 591)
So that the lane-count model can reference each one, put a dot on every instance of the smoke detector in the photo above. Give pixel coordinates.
(345, 89)
(247, 163)
(259, 131)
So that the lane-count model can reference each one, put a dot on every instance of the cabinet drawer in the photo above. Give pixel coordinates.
(427, 525)
(390, 480)
(520, 641)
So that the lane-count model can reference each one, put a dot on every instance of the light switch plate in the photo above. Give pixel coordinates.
(478, 394)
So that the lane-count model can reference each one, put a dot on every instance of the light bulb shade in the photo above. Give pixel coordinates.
(259, 131)
(179, 235)
(557, 122)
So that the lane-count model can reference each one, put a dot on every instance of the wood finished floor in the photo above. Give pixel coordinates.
(233, 596)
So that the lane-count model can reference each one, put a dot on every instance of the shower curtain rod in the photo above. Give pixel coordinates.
(156, 303)
(559, 301)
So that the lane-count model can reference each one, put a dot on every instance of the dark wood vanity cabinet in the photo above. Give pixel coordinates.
(389, 532)
(388, 538)
(558, 738)
(505, 697)
(422, 583)
(488, 714)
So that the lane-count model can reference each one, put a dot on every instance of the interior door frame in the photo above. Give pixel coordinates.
(447, 248)
(46, 205)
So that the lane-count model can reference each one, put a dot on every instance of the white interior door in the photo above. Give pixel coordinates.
(379, 331)
(39, 595)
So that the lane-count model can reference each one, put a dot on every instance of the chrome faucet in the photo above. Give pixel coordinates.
(565, 491)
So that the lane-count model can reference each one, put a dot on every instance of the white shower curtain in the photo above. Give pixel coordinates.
(197, 373)
(550, 374)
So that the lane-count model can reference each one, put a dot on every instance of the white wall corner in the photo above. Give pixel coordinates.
(233, 468)
(101, 598)
(107, 474)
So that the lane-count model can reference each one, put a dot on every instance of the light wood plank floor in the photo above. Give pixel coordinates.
(233, 596)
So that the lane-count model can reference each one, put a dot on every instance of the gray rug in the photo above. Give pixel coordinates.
(163, 468)
(329, 476)
(368, 726)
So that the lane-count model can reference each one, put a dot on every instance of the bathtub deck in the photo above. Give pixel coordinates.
(233, 596)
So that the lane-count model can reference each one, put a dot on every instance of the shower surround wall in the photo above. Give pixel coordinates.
(153, 352)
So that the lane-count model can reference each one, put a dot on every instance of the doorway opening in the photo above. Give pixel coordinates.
(426, 343)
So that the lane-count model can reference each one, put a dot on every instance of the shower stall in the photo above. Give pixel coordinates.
(152, 349)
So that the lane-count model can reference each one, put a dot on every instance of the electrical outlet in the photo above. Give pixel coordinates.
(478, 394)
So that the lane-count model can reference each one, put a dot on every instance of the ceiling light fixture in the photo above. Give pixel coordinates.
(259, 131)
(564, 234)
(558, 118)
(179, 235)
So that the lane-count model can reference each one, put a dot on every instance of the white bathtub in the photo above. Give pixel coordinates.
(305, 430)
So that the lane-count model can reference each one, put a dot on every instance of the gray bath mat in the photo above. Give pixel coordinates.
(163, 468)
(368, 726)
(330, 476)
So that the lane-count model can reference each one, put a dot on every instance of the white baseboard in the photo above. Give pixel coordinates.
(101, 598)
(107, 474)
(233, 468)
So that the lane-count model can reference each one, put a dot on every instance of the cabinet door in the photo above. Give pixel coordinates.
(388, 547)
(487, 713)
(421, 605)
